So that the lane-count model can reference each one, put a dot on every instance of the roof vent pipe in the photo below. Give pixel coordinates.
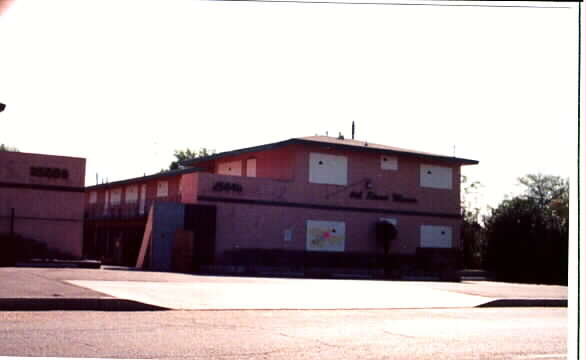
(353, 129)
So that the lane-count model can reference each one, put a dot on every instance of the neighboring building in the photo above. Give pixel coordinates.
(303, 203)
(42, 199)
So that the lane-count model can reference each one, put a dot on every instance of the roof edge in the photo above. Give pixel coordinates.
(274, 145)
(142, 178)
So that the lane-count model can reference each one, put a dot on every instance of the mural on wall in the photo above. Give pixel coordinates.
(325, 235)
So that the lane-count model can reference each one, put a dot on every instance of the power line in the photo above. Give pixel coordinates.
(335, 2)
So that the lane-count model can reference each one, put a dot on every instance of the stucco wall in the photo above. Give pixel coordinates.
(48, 209)
(243, 226)
(258, 215)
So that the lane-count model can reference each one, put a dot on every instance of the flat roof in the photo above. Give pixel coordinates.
(339, 143)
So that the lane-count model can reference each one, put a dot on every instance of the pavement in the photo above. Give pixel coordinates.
(113, 289)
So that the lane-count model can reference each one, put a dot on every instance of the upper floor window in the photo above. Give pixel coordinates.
(389, 162)
(251, 167)
(328, 169)
(115, 196)
(93, 197)
(233, 168)
(438, 177)
(162, 188)
(131, 194)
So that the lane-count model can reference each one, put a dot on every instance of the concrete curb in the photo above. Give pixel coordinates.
(526, 303)
(79, 304)
(80, 264)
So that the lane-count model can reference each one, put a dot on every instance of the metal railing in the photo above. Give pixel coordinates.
(123, 210)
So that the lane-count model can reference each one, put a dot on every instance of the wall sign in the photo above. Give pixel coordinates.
(54, 173)
(371, 195)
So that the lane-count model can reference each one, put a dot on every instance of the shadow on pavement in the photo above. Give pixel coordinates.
(526, 303)
(47, 304)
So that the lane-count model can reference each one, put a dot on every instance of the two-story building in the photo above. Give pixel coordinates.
(303, 204)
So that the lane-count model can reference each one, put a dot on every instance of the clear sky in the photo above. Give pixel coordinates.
(124, 83)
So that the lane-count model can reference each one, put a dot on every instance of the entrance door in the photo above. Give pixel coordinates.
(201, 220)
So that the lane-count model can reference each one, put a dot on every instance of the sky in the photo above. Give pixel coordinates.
(124, 83)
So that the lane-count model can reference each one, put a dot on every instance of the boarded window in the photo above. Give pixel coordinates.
(437, 177)
(131, 194)
(328, 169)
(93, 197)
(162, 188)
(233, 168)
(389, 163)
(115, 196)
(436, 236)
(325, 235)
(251, 167)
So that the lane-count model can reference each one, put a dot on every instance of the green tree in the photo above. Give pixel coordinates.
(527, 235)
(187, 154)
(7, 148)
(471, 231)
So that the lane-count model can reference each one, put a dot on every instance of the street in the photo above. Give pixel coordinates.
(465, 333)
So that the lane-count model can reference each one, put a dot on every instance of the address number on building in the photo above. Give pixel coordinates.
(54, 173)
(226, 186)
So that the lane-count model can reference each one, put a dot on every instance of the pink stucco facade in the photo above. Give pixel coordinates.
(46, 195)
(281, 204)
(273, 196)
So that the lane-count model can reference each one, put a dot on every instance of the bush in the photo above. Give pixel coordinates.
(19, 248)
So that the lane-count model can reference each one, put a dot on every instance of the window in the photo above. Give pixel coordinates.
(251, 167)
(436, 236)
(233, 168)
(93, 197)
(142, 204)
(106, 201)
(389, 163)
(131, 194)
(162, 188)
(115, 196)
(437, 177)
(328, 169)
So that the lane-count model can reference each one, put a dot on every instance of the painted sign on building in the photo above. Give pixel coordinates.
(325, 235)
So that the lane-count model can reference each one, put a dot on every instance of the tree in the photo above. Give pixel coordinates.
(469, 201)
(7, 148)
(188, 154)
(545, 189)
(527, 235)
(472, 233)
